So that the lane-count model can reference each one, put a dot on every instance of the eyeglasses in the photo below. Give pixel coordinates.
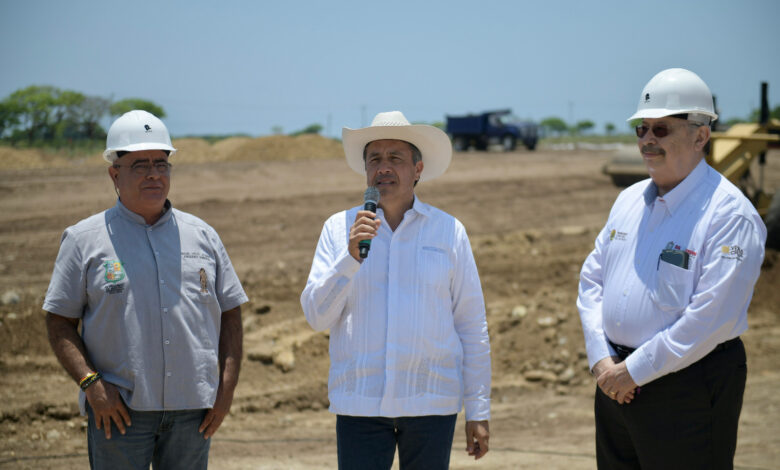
(144, 168)
(659, 130)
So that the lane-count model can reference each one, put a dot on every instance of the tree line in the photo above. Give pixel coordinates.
(49, 115)
(555, 126)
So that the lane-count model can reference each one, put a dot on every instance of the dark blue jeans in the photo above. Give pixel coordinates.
(365, 443)
(165, 439)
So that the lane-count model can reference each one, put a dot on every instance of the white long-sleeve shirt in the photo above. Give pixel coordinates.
(408, 333)
(672, 316)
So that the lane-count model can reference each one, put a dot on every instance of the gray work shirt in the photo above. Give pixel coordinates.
(150, 298)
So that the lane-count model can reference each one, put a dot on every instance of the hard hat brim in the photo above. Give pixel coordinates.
(109, 155)
(655, 113)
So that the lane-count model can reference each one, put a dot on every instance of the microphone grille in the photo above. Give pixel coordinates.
(371, 194)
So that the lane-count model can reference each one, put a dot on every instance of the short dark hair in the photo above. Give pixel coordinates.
(416, 154)
(122, 153)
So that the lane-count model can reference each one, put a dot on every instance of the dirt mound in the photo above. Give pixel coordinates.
(22, 159)
(281, 147)
(190, 150)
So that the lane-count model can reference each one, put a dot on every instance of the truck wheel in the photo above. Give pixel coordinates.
(508, 142)
(530, 145)
(459, 144)
(773, 223)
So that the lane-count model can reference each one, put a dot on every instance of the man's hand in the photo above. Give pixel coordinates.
(365, 227)
(477, 436)
(615, 381)
(215, 415)
(107, 405)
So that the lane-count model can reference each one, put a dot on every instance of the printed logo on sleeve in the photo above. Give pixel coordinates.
(114, 271)
(618, 235)
(732, 252)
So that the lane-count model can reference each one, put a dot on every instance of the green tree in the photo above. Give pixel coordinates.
(310, 129)
(9, 117)
(584, 126)
(33, 107)
(47, 114)
(554, 124)
(66, 123)
(774, 113)
(121, 107)
(91, 111)
(609, 128)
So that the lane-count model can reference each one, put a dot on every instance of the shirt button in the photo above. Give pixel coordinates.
(618, 323)
(162, 281)
(167, 342)
(149, 229)
(156, 253)
(625, 292)
(165, 310)
(167, 374)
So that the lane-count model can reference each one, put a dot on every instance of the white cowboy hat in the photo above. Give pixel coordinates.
(433, 143)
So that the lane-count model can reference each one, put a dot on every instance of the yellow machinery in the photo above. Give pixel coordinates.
(733, 154)
(734, 151)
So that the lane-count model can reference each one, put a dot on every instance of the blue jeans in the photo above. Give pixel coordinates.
(166, 439)
(424, 442)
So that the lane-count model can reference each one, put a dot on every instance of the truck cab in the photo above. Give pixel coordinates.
(491, 128)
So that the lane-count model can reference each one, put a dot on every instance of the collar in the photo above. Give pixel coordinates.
(679, 193)
(136, 218)
(420, 207)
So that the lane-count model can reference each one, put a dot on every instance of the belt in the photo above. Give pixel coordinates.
(624, 351)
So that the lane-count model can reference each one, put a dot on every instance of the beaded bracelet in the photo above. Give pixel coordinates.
(89, 380)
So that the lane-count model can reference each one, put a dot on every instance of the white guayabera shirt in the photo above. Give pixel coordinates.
(674, 316)
(408, 333)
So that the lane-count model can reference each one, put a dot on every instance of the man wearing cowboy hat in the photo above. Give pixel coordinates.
(408, 335)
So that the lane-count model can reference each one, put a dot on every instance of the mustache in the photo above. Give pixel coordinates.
(381, 179)
(653, 149)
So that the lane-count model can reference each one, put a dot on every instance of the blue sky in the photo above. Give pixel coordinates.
(247, 66)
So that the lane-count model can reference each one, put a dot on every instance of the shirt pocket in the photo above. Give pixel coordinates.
(435, 274)
(435, 264)
(199, 279)
(673, 288)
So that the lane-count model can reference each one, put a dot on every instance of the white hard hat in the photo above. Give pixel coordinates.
(675, 91)
(137, 130)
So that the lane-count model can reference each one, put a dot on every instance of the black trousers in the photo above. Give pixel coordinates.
(685, 420)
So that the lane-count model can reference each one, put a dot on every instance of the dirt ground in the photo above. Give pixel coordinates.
(532, 218)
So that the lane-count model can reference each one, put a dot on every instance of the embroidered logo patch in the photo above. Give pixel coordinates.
(114, 288)
(114, 271)
(203, 281)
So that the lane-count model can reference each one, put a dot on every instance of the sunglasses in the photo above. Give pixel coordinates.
(659, 130)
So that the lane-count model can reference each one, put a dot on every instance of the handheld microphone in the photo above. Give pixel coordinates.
(370, 200)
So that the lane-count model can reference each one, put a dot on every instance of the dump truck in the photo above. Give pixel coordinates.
(732, 153)
(491, 128)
